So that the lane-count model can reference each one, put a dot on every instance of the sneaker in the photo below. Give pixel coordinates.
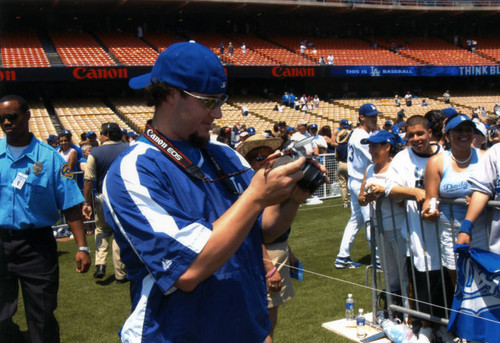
(346, 263)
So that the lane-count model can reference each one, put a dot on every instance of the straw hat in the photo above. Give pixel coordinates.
(342, 136)
(257, 141)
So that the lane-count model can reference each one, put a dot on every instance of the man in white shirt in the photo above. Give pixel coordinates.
(311, 148)
(358, 159)
(318, 139)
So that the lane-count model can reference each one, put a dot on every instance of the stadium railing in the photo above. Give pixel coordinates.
(420, 3)
(331, 189)
(406, 302)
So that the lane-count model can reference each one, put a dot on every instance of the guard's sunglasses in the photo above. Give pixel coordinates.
(208, 102)
(12, 117)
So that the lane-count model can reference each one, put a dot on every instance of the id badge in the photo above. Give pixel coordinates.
(20, 180)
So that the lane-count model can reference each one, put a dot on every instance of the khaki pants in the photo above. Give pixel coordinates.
(342, 177)
(102, 236)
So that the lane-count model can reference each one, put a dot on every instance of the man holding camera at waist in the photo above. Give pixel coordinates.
(189, 215)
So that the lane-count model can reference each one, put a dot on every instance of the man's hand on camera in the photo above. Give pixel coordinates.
(274, 185)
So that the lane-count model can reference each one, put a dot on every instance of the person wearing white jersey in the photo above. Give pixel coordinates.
(358, 159)
(405, 181)
(485, 186)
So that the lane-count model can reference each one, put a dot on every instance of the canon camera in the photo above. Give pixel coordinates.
(313, 177)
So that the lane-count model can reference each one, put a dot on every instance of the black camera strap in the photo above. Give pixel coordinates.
(172, 153)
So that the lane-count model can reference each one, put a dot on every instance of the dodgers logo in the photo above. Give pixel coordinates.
(374, 72)
(66, 172)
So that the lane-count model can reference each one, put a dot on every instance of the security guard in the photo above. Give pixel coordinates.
(35, 183)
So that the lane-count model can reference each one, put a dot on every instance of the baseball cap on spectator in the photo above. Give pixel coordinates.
(449, 112)
(475, 115)
(52, 138)
(344, 123)
(313, 127)
(65, 132)
(90, 133)
(302, 123)
(380, 137)
(459, 120)
(290, 128)
(124, 131)
(251, 131)
(395, 129)
(388, 123)
(132, 134)
(244, 134)
(480, 128)
(188, 66)
(368, 110)
(257, 141)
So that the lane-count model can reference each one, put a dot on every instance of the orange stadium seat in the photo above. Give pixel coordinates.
(128, 49)
(434, 51)
(80, 49)
(22, 50)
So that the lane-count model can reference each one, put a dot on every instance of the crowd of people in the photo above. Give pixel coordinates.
(439, 156)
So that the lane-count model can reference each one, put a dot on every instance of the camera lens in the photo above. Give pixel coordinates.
(313, 178)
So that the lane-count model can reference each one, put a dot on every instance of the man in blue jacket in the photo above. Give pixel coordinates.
(189, 215)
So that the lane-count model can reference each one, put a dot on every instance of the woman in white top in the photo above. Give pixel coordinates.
(392, 246)
(66, 151)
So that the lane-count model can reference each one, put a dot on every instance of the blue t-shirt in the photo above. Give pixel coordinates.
(48, 187)
(162, 220)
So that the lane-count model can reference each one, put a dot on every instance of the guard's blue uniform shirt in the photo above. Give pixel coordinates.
(162, 219)
(44, 193)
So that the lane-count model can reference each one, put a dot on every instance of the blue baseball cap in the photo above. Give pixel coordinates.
(188, 66)
(52, 138)
(388, 122)
(380, 137)
(449, 112)
(344, 123)
(65, 132)
(368, 110)
(459, 120)
(90, 133)
(132, 134)
(313, 126)
(251, 131)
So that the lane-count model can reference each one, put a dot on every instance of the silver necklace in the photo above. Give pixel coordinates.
(462, 161)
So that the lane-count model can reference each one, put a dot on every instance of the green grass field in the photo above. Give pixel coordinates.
(93, 310)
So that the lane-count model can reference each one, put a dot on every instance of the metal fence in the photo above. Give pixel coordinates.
(395, 255)
(332, 188)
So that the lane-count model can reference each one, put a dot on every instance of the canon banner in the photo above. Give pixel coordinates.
(276, 72)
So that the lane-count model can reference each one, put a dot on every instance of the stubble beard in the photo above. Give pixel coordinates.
(198, 141)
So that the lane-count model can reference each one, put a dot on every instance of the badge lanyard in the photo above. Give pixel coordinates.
(169, 150)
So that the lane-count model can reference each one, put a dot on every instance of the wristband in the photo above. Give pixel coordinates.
(271, 273)
(466, 227)
(85, 249)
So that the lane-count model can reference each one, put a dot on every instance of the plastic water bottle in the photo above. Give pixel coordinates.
(349, 308)
(360, 324)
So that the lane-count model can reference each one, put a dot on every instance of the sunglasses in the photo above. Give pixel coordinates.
(210, 103)
(10, 117)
